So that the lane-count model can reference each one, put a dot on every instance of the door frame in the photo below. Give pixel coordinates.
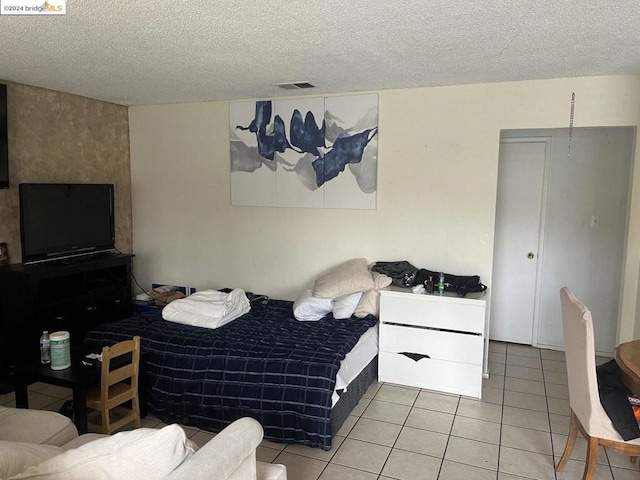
(541, 226)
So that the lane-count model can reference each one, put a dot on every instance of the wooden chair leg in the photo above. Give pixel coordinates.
(592, 455)
(106, 421)
(135, 403)
(571, 441)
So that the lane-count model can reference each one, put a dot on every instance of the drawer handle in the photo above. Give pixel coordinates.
(414, 356)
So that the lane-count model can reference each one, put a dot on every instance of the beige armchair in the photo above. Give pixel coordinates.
(46, 445)
(230, 455)
(587, 414)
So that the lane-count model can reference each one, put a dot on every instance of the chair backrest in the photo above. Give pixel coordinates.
(584, 399)
(127, 371)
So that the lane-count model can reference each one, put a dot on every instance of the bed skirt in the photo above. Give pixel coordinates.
(350, 397)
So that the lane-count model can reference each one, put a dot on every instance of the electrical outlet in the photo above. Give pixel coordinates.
(595, 220)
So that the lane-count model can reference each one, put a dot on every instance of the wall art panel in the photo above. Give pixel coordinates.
(306, 152)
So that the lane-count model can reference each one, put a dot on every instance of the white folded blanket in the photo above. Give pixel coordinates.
(208, 308)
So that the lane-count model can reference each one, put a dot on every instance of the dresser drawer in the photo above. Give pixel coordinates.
(454, 347)
(449, 313)
(432, 374)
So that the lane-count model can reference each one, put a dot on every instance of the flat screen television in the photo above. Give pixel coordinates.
(65, 220)
(4, 141)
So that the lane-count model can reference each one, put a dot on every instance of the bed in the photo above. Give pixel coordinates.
(300, 380)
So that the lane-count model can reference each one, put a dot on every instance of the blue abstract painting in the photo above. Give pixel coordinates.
(305, 152)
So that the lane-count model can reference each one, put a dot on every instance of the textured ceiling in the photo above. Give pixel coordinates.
(140, 52)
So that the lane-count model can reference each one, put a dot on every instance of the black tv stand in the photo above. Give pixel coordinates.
(74, 296)
(72, 259)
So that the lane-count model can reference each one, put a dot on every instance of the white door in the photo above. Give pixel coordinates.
(517, 238)
(575, 206)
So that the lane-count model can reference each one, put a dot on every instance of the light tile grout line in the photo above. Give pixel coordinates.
(403, 425)
(548, 417)
(504, 389)
(446, 446)
(546, 400)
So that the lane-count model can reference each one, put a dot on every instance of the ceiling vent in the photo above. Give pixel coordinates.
(295, 85)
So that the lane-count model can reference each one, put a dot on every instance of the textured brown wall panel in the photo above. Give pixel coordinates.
(56, 137)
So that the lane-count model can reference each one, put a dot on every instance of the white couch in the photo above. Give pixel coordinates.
(46, 445)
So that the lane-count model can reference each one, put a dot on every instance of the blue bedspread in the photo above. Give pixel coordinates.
(264, 365)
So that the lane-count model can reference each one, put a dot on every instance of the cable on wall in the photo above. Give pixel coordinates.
(573, 105)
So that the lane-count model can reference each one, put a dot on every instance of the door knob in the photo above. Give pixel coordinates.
(530, 255)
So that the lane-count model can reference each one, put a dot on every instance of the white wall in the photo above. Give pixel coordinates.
(437, 176)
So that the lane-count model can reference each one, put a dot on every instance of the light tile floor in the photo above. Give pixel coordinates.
(518, 430)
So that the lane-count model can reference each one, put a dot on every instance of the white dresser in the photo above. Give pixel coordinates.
(432, 341)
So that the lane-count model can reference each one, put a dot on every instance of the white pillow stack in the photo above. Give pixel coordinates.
(349, 277)
(347, 289)
(308, 308)
(370, 302)
(343, 307)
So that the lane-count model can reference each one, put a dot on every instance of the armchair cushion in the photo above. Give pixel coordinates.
(142, 454)
(16, 457)
(35, 426)
(82, 439)
(230, 455)
(271, 471)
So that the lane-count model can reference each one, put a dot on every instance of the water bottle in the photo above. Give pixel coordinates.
(45, 348)
(441, 284)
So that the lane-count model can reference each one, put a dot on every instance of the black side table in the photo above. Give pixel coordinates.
(77, 377)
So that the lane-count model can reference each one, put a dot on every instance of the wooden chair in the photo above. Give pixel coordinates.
(118, 386)
(587, 414)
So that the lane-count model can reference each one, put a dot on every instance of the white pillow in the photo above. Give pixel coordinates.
(16, 457)
(308, 308)
(370, 301)
(141, 454)
(347, 278)
(343, 307)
